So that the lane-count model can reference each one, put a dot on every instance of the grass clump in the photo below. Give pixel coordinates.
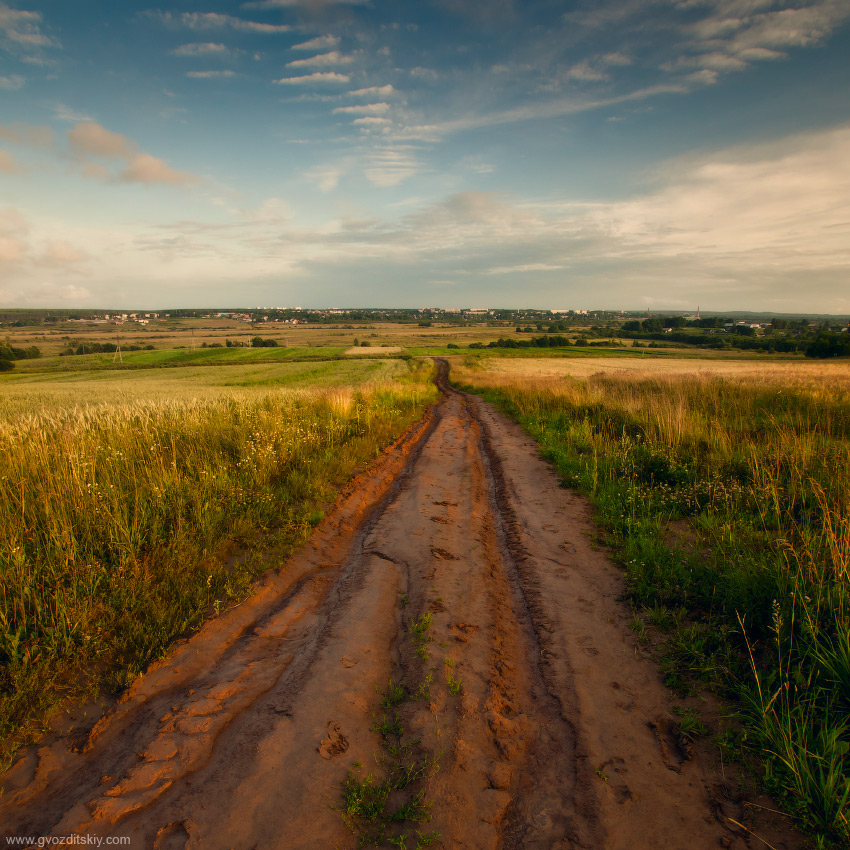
(728, 501)
(118, 522)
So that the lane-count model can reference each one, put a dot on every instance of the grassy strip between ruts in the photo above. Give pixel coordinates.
(118, 522)
(728, 502)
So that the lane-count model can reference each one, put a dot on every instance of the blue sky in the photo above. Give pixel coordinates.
(609, 154)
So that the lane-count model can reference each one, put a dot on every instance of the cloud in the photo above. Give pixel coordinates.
(322, 42)
(327, 179)
(12, 82)
(31, 135)
(363, 109)
(369, 121)
(213, 20)
(144, 168)
(205, 49)
(374, 91)
(528, 267)
(9, 165)
(89, 139)
(20, 30)
(318, 77)
(388, 166)
(209, 75)
(321, 60)
(61, 254)
(67, 113)
(304, 4)
(424, 73)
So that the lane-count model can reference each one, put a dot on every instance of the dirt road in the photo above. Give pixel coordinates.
(453, 601)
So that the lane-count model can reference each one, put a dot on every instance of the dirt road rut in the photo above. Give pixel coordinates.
(456, 583)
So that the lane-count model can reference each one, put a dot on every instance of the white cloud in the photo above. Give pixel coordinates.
(326, 179)
(322, 60)
(209, 75)
(12, 83)
(322, 42)
(21, 30)
(144, 168)
(528, 267)
(213, 20)
(9, 165)
(318, 77)
(363, 109)
(306, 4)
(31, 135)
(205, 49)
(370, 121)
(424, 73)
(374, 91)
(89, 139)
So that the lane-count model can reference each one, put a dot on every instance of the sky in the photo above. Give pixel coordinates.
(600, 154)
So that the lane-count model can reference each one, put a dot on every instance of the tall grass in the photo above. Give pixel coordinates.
(117, 522)
(729, 502)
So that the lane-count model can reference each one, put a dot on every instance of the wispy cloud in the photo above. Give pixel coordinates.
(363, 109)
(202, 49)
(318, 77)
(322, 60)
(213, 20)
(303, 4)
(210, 75)
(88, 140)
(374, 91)
(9, 165)
(12, 82)
(20, 30)
(322, 42)
(31, 135)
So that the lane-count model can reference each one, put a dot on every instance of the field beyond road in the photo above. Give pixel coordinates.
(446, 663)
(279, 554)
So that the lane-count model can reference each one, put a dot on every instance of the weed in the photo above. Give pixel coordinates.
(690, 723)
(455, 685)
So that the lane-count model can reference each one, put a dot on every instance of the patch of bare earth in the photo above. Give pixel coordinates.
(555, 732)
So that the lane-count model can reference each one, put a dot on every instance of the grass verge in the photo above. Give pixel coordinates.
(118, 523)
(728, 502)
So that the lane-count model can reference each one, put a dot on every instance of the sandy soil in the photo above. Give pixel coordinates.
(560, 736)
(373, 351)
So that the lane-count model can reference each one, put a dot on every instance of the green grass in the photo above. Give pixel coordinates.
(728, 504)
(118, 520)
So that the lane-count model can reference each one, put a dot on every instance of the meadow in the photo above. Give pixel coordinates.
(724, 489)
(136, 503)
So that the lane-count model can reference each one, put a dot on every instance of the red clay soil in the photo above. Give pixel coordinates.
(560, 735)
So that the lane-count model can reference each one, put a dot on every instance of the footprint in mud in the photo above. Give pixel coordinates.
(437, 607)
(671, 743)
(173, 836)
(446, 503)
(334, 743)
(443, 520)
(568, 547)
(626, 702)
(462, 631)
(442, 554)
(612, 771)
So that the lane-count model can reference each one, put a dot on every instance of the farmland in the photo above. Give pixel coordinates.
(724, 488)
(208, 480)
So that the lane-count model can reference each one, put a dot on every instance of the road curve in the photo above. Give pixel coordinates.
(458, 567)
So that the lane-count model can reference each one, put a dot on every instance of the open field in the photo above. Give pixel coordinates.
(449, 655)
(123, 498)
(446, 663)
(494, 370)
(726, 490)
(28, 389)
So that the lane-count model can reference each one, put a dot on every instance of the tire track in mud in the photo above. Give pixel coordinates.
(456, 568)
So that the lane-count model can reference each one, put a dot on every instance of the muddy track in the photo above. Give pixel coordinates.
(458, 569)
